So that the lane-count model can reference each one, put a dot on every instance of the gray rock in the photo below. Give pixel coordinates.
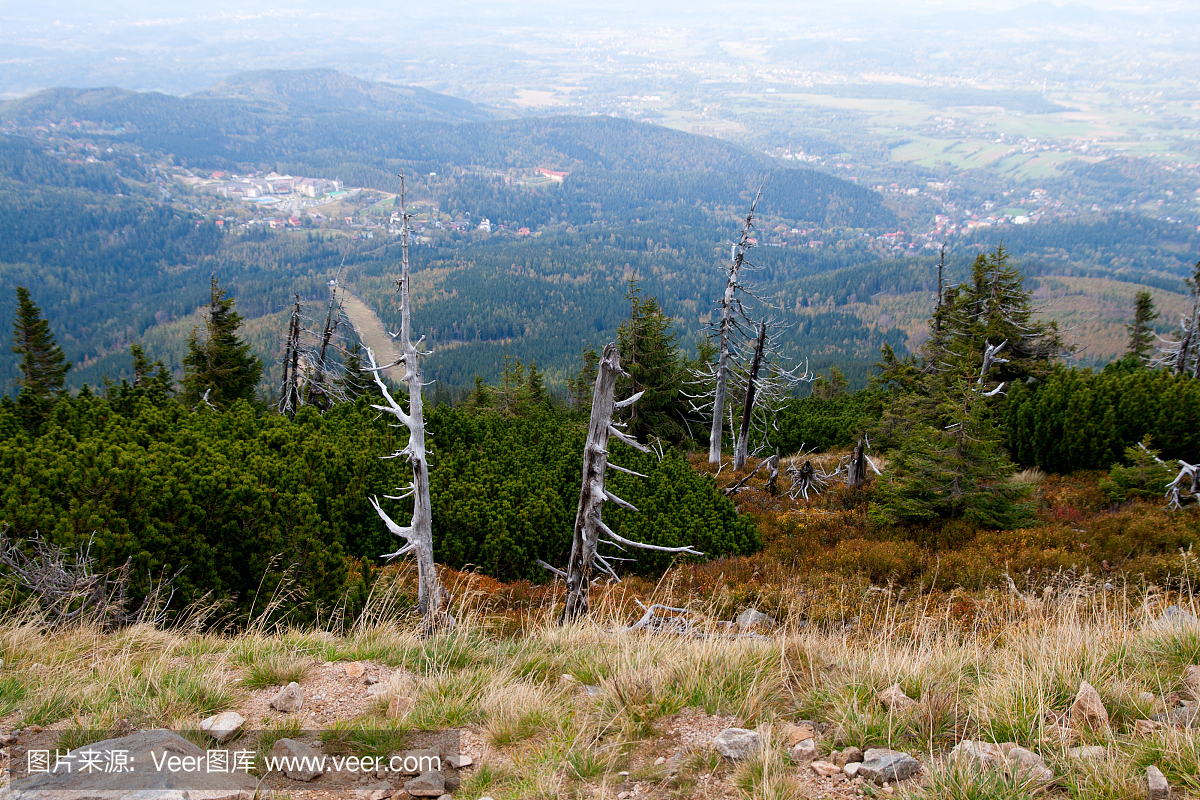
(302, 761)
(1175, 617)
(805, 752)
(380, 790)
(737, 744)
(850, 755)
(1157, 787)
(427, 784)
(451, 780)
(894, 699)
(879, 765)
(752, 619)
(457, 760)
(290, 699)
(223, 726)
(1087, 752)
(1028, 765)
(852, 769)
(1088, 709)
(986, 755)
(144, 781)
(1191, 682)
(1185, 717)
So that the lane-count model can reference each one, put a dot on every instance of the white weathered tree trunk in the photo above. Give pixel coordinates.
(418, 535)
(592, 492)
(723, 361)
(741, 448)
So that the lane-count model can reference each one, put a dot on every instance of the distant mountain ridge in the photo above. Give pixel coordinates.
(330, 90)
(322, 116)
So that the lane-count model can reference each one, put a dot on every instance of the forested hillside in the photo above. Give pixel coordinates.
(106, 226)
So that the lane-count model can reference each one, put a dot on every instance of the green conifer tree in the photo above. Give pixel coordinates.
(535, 386)
(651, 357)
(993, 307)
(220, 364)
(947, 460)
(1141, 330)
(44, 368)
(581, 385)
(831, 387)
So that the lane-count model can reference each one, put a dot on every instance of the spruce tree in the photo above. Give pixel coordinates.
(535, 385)
(1141, 331)
(940, 416)
(44, 368)
(651, 359)
(831, 387)
(581, 384)
(511, 392)
(220, 364)
(993, 307)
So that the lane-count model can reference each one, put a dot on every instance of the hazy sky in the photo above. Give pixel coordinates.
(147, 44)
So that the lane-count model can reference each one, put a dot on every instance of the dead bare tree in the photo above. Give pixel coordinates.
(805, 479)
(765, 385)
(70, 591)
(856, 465)
(311, 376)
(289, 392)
(589, 527)
(1181, 354)
(726, 331)
(773, 474)
(432, 599)
(319, 388)
(748, 360)
(742, 444)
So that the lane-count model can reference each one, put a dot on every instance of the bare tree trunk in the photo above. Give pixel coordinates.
(317, 395)
(856, 469)
(418, 536)
(584, 559)
(586, 535)
(289, 395)
(741, 448)
(723, 357)
(773, 465)
(1186, 340)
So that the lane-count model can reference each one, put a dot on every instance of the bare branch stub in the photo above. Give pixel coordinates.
(590, 531)
(418, 534)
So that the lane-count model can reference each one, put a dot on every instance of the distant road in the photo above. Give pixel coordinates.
(370, 329)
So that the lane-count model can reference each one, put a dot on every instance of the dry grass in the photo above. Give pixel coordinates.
(1005, 673)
